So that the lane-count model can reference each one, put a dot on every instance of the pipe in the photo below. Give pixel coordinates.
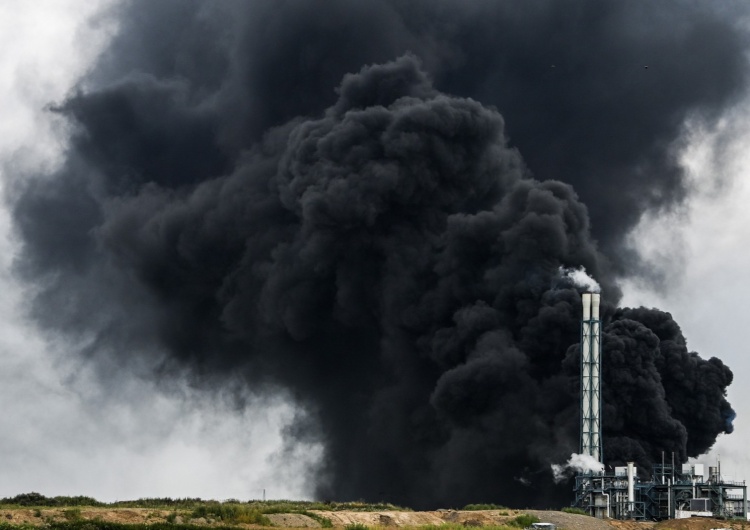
(587, 412)
(595, 299)
(662, 467)
(586, 298)
(596, 406)
(669, 499)
(591, 406)
(605, 495)
(631, 487)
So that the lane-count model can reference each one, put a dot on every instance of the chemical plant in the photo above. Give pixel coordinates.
(672, 491)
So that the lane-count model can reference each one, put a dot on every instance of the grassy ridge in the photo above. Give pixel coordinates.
(230, 512)
(37, 500)
(34, 499)
(193, 513)
(104, 525)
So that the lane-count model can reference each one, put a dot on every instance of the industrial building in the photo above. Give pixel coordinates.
(672, 490)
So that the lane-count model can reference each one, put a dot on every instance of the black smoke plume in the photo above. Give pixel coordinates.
(382, 254)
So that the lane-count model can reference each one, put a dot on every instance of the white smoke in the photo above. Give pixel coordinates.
(576, 462)
(580, 278)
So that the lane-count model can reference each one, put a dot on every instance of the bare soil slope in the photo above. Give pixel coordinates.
(339, 519)
(564, 521)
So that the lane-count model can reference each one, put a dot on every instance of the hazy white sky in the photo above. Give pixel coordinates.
(60, 438)
(705, 249)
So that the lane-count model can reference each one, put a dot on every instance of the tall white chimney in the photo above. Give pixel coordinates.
(631, 486)
(591, 431)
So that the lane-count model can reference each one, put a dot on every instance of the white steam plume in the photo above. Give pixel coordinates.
(576, 462)
(580, 278)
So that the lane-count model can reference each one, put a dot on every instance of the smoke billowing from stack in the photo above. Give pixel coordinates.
(381, 255)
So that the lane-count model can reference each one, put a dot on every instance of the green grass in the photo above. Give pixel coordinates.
(470, 507)
(231, 513)
(523, 521)
(324, 522)
(103, 525)
(159, 503)
(37, 500)
(72, 514)
(255, 512)
(569, 509)
(287, 506)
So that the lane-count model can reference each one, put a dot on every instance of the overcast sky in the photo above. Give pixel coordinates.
(64, 433)
(704, 248)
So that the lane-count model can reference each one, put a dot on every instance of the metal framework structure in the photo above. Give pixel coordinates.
(591, 366)
(671, 492)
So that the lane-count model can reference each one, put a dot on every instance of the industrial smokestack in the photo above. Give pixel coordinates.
(631, 486)
(591, 432)
(596, 368)
(595, 300)
(586, 297)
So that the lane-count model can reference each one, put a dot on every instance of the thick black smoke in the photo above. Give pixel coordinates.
(381, 253)
(659, 389)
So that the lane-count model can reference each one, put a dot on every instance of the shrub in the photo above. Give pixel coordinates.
(37, 499)
(570, 509)
(105, 525)
(27, 499)
(523, 521)
(161, 502)
(471, 507)
(286, 506)
(231, 513)
(251, 517)
(72, 514)
(325, 522)
(78, 500)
